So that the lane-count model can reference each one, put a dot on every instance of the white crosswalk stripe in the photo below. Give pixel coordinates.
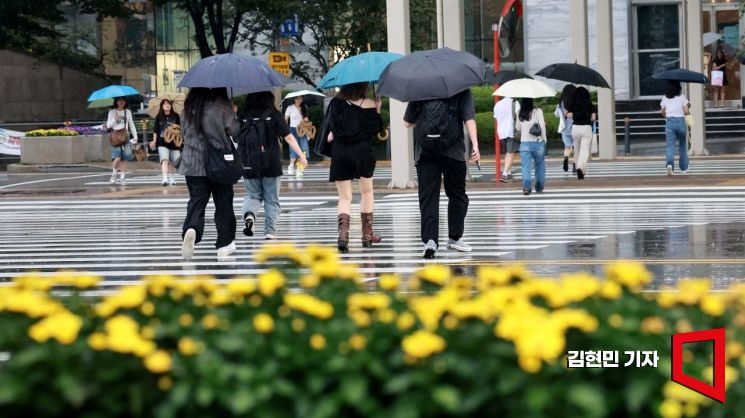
(124, 239)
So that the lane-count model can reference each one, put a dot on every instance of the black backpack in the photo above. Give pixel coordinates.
(438, 124)
(254, 145)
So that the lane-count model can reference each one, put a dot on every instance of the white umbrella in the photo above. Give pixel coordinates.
(177, 100)
(711, 37)
(303, 93)
(525, 88)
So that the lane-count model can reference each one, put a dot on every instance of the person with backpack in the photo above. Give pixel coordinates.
(504, 114)
(532, 129)
(354, 120)
(583, 113)
(120, 122)
(258, 146)
(168, 152)
(296, 113)
(209, 121)
(441, 156)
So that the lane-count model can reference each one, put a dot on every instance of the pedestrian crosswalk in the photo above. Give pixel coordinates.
(554, 232)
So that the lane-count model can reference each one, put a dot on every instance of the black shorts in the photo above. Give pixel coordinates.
(510, 145)
(351, 161)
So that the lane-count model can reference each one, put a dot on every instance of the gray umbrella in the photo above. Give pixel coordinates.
(434, 74)
(237, 71)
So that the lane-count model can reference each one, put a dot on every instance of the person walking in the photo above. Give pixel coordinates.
(120, 117)
(532, 129)
(295, 114)
(504, 114)
(566, 123)
(583, 113)
(168, 152)
(441, 156)
(207, 117)
(354, 122)
(260, 117)
(720, 64)
(674, 108)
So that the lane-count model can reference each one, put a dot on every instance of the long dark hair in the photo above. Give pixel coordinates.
(526, 109)
(197, 100)
(582, 102)
(352, 92)
(566, 94)
(162, 113)
(716, 55)
(116, 99)
(673, 89)
(258, 103)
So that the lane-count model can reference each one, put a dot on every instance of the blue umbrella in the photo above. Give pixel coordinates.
(113, 91)
(681, 74)
(238, 71)
(362, 68)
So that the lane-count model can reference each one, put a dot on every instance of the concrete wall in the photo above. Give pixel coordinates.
(33, 90)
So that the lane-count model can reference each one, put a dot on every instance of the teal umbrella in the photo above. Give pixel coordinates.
(110, 92)
(362, 68)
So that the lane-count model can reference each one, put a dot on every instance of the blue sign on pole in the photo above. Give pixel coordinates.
(289, 28)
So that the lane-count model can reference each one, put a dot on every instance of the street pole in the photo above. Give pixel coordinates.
(497, 150)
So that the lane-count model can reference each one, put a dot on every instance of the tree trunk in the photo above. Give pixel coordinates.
(200, 33)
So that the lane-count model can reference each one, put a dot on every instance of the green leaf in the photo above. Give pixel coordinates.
(242, 401)
(353, 389)
(447, 397)
(326, 408)
(180, 394)
(398, 384)
(229, 343)
(71, 388)
(205, 395)
(589, 398)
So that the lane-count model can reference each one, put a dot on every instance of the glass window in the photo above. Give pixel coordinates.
(651, 63)
(659, 26)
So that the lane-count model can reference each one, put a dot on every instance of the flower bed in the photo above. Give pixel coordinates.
(434, 345)
(70, 145)
(61, 132)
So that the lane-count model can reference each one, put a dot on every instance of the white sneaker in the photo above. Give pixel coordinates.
(430, 250)
(164, 182)
(122, 182)
(226, 250)
(112, 180)
(187, 247)
(290, 169)
(669, 171)
(459, 245)
(298, 174)
(684, 172)
(173, 181)
(270, 237)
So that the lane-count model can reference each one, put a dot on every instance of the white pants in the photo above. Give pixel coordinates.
(582, 137)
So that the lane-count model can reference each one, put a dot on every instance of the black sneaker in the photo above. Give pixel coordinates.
(249, 220)
(430, 250)
(580, 175)
(504, 179)
(566, 163)
(574, 168)
(526, 192)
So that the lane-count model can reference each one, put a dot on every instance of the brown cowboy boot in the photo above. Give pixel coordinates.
(368, 237)
(343, 242)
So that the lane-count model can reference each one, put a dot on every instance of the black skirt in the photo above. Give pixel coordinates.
(351, 161)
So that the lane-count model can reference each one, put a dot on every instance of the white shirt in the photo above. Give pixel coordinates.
(524, 127)
(674, 107)
(120, 119)
(294, 114)
(505, 118)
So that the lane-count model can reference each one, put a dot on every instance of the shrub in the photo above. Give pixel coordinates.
(51, 132)
(305, 339)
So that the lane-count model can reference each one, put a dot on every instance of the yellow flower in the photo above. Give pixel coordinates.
(405, 321)
(147, 308)
(165, 383)
(713, 305)
(735, 349)
(270, 282)
(436, 274)
(423, 344)
(255, 301)
(187, 346)
(666, 298)
(389, 282)
(326, 268)
(653, 325)
(269, 252)
(185, 320)
(317, 342)
(387, 316)
(683, 325)
(310, 281)
(309, 305)
(357, 342)
(373, 301)
(97, 341)
(148, 333)
(220, 297)
(691, 291)
(615, 320)
(210, 321)
(629, 274)
(284, 311)
(317, 253)
(361, 318)
(241, 286)
(610, 290)
(671, 409)
(158, 362)
(85, 282)
(450, 322)
(62, 326)
(263, 323)
(298, 325)
(529, 364)
(691, 410)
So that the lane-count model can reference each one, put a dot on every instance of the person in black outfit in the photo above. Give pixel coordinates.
(448, 164)
(354, 122)
(720, 64)
(168, 152)
(583, 113)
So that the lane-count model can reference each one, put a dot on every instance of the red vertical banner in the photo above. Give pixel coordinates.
(716, 392)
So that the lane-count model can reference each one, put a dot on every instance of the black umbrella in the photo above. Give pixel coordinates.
(682, 75)
(237, 71)
(505, 76)
(575, 74)
(434, 74)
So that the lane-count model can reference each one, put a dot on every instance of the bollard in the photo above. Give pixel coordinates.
(627, 135)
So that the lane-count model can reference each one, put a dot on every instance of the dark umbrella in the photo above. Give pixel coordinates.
(505, 76)
(682, 75)
(238, 71)
(575, 74)
(434, 74)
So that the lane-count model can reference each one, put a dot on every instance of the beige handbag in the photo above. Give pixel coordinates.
(172, 134)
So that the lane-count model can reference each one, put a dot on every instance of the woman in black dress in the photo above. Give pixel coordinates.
(720, 64)
(354, 122)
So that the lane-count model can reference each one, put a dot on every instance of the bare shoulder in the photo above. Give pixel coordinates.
(368, 104)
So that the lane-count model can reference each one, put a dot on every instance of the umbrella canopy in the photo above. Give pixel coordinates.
(575, 74)
(360, 68)
(711, 37)
(110, 92)
(310, 97)
(682, 75)
(97, 104)
(434, 74)
(525, 88)
(177, 99)
(504, 76)
(239, 71)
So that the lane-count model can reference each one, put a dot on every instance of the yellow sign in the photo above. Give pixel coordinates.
(280, 61)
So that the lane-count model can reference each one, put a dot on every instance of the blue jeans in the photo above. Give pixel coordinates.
(675, 128)
(533, 152)
(302, 142)
(266, 190)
